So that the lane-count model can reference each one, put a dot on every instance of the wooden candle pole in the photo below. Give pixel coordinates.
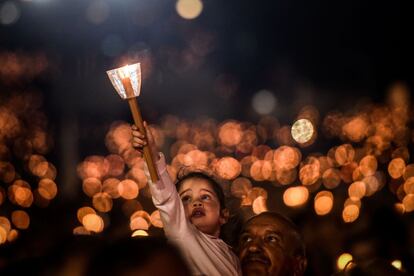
(136, 115)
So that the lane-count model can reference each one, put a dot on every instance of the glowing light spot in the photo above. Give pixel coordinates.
(9, 13)
(409, 186)
(261, 170)
(230, 133)
(141, 214)
(83, 212)
(3, 235)
(128, 189)
(138, 175)
(156, 219)
(5, 223)
(343, 260)
(228, 168)
(195, 158)
(116, 165)
(396, 168)
(408, 202)
(295, 196)
(240, 187)
(23, 196)
(102, 202)
(189, 9)
(357, 190)
(347, 172)
(356, 129)
(302, 131)
(372, 185)
(368, 165)
(399, 207)
(81, 230)
(91, 186)
(246, 163)
(309, 174)
(110, 186)
(350, 213)
(409, 171)
(20, 219)
(264, 102)
(47, 188)
(140, 233)
(13, 235)
(259, 205)
(93, 222)
(286, 158)
(323, 203)
(286, 177)
(331, 178)
(397, 264)
(344, 154)
(138, 223)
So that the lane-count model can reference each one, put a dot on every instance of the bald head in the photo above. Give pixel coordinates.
(270, 244)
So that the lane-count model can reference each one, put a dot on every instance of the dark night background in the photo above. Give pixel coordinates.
(329, 54)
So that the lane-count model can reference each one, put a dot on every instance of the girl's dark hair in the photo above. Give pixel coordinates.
(210, 179)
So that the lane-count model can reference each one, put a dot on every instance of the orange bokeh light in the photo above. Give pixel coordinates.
(240, 187)
(323, 203)
(20, 219)
(93, 222)
(128, 189)
(47, 188)
(368, 165)
(396, 168)
(228, 168)
(91, 186)
(230, 133)
(102, 202)
(295, 196)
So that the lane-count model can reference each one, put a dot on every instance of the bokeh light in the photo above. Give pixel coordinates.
(295, 196)
(189, 9)
(264, 102)
(343, 260)
(302, 131)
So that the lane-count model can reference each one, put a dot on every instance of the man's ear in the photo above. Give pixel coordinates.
(224, 216)
(300, 265)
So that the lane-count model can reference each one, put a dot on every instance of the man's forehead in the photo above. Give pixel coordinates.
(266, 222)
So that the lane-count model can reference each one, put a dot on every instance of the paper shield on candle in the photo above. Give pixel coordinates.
(133, 72)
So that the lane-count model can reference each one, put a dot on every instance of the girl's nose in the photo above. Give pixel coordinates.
(197, 203)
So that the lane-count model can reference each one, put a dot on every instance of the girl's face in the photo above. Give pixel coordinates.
(201, 205)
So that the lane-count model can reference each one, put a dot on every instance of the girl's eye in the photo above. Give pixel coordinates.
(205, 197)
(186, 199)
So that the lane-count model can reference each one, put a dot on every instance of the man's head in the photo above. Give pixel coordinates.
(270, 244)
(203, 201)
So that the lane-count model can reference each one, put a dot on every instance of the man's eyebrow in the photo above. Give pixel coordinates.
(183, 192)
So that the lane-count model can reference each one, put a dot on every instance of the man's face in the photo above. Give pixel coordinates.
(201, 205)
(266, 247)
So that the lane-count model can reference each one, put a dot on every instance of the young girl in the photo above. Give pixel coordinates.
(192, 212)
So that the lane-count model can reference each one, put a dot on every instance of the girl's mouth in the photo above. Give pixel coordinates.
(198, 212)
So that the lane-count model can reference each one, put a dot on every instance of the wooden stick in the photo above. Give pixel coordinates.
(136, 115)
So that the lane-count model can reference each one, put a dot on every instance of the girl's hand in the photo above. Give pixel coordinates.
(139, 141)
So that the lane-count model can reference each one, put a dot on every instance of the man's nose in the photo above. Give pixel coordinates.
(255, 245)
